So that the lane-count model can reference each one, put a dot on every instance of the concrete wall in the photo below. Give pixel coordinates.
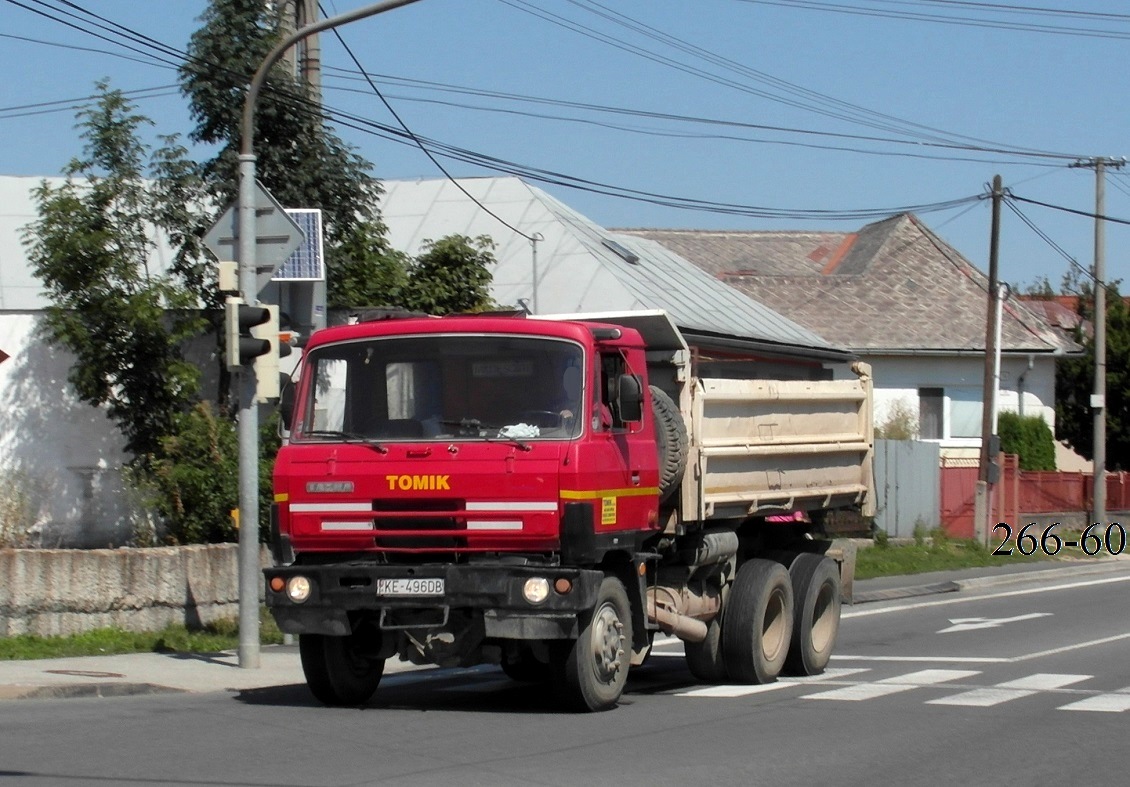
(51, 592)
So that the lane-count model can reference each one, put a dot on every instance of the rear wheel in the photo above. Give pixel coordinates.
(339, 670)
(816, 591)
(590, 673)
(759, 622)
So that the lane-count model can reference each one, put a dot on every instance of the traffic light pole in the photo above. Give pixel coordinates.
(249, 576)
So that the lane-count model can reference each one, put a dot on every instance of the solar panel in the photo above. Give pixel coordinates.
(306, 263)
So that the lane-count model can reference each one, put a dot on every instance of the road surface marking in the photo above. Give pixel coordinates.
(1103, 703)
(973, 624)
(728, 690)
(863, 613)
(895, 685)
(1010, 690)
(736, 691)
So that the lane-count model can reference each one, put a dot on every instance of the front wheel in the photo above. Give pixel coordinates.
(591, 672)
(339, 670)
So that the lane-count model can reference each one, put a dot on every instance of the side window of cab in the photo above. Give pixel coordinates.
(607, 410)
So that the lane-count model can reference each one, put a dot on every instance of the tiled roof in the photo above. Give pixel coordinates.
(893, 286)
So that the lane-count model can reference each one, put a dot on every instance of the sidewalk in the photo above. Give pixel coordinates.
(154, 673)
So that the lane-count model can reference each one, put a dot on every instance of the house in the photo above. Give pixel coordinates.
(906, 302)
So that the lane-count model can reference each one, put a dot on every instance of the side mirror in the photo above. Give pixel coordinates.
(630, 398)
(286, 403)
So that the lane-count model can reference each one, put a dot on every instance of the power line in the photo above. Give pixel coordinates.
(420, 144)
(961, 21)
(1073, 211)
(712, 122)
(911, 128)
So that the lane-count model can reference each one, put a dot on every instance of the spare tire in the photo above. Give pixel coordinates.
(671, 440)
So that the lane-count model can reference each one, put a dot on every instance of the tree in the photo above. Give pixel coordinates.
(452, 275)
(1074, 384)
(298, 158)
(91, 247)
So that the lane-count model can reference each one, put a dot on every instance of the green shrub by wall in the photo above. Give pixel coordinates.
(1030, 438)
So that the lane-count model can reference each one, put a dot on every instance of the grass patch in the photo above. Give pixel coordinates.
(937, 552)
(217, 636)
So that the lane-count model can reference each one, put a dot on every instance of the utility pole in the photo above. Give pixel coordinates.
(1098, 397)
(985, 478)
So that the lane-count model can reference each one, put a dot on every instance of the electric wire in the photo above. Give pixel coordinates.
(619, 18)
(858, 10)
(419, 144)
(1045, 237)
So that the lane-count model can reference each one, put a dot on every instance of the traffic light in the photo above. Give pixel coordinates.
(244, 344)
(253, 339)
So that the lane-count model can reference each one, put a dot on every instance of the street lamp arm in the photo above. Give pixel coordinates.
(247, 143)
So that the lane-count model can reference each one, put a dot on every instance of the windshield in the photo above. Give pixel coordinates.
(443, 387)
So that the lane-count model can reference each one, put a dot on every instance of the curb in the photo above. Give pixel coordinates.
(83, 690)
(976, 583)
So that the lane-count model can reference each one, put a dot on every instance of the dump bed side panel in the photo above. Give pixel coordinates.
(771, 446)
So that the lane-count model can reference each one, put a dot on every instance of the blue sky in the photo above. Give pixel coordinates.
(795, 106)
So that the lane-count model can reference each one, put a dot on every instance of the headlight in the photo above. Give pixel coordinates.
(298, 589)
(536, 590)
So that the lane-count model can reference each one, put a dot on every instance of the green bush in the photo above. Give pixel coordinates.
(194, 485)
(1030, 438)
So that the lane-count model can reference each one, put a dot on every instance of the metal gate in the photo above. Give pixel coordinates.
(906, 486)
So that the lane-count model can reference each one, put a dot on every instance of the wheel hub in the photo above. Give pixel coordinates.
(607, 643)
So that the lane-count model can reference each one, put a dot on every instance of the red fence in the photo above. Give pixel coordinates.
(959, 491)
(1022, 491)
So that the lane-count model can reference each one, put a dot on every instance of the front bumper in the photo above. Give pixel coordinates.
(343, 592)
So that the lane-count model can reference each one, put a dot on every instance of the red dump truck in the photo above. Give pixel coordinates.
(549, 494)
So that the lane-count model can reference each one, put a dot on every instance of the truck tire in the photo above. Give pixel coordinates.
(671, 441)
(590, 672)
(759, 622)
(816, 591)
(337, 671)
(705, 659)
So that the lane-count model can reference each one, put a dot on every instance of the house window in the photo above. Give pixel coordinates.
(931, 403)
(949, 413)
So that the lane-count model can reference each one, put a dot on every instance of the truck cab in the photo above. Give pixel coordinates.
(454, 489)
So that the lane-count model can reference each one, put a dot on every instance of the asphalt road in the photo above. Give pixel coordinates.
(1024, 684)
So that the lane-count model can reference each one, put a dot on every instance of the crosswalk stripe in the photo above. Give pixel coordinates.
(895, 685)
(736, 691)
(733, 690)
(1115, 702)
(1010, 690)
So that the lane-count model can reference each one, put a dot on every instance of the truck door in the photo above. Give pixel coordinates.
(627, 449)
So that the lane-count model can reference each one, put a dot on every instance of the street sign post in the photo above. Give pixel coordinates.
(277, 236)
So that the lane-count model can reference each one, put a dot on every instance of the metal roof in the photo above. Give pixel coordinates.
(581, 267)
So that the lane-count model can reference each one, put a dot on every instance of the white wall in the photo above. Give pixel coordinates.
(63, 455)
(899, 378)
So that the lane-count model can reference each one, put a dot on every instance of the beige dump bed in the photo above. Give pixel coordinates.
(772, 446)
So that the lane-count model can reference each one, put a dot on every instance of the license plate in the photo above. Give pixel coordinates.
(410, 586)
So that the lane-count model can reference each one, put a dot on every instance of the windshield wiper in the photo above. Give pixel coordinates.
(348, 437)
(473, 427)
